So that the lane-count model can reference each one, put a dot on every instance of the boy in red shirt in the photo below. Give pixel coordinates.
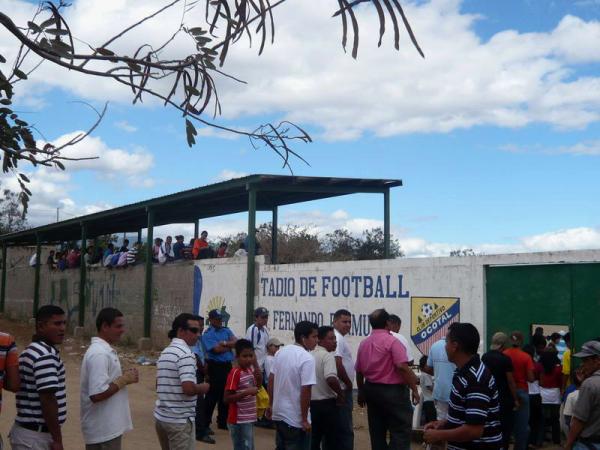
(240, 393)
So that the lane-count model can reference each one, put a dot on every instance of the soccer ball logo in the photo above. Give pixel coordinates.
(427, 310)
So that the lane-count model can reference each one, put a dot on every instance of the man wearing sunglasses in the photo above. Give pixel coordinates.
(176, 386)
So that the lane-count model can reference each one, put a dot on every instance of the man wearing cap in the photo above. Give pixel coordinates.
(178, 247)
(585, 422)
(218, 342)
(502, 369)
(258, 334)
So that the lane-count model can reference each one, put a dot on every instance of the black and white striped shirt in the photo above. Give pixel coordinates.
(41, 370)
(474, 401)
(176, 364)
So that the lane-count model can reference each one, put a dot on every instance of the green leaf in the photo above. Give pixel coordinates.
(34, 27)
(5, 101)
(190, 131)
(24, 177)
(5, 111)
(57, 32)
(62, 47)
(21, 123)
(135, 67)
(20, 74)
(60, 165)
(192, 90)
(105, 51)
(210, 51)
(197, 31)
(47, 23)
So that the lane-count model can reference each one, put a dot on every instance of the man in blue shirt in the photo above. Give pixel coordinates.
(218, 342)
(443, 372)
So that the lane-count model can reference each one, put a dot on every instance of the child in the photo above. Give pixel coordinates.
(426, 383)
(571, 400)
(550, 371)
(272, 346)
(240, 394)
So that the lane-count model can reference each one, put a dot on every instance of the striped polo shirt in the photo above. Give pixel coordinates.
(474, 401)
(176, 364)
(244, 410)
(41, 370)
(8, 358)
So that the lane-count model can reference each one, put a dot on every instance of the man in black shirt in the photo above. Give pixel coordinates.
(502, 369)
(473, 411)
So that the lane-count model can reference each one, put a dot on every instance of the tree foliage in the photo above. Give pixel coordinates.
(212, 27)
(11, 217)
(298, 244)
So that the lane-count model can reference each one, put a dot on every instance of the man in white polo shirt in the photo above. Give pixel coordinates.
(104, 402)
(176, 386)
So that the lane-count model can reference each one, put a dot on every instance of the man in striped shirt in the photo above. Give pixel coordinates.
(176, 386)
(41, 400)
(473, 420)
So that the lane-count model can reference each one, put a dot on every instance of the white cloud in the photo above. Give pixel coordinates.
(585, 148)
(512, 80)
(227, 174)
(126, 126)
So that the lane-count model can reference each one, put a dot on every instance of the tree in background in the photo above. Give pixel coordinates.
(186, 83)
(11, 217)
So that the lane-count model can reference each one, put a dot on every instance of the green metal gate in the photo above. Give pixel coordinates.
(519, 296)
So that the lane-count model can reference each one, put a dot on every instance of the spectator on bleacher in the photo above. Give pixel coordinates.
(61, 263)
(178, 247)
(89, 255)
(74, 258)
(50, 262)
(186, 252)
(132, 254)
(107, 256)
(199, 244)
(125, 246)
(156, 249)
(222, 250)
(241, 251)
(165, 253)
(256, 243)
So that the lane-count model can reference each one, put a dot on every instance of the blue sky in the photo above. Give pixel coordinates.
(494, 133)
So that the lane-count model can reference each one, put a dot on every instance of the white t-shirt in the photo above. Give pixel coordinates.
(267, 366)
(293, 368)
(426, 383)
(325, 368)
(343, 350)
(110, 418)
(533, 387)
(259, 338)
(405, 343)
(570, 403)
(550, 396)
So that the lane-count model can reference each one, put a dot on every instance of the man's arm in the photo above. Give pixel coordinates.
(12, 380)
(50, 414)
(130, 376)
(360, 384)
(428, 369)
(341, 371)
(577, 427)
(512, 387)
(464, 433)
(411, 380)
(305, 405)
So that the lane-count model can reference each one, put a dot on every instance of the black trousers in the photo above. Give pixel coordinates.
(200, 410)
(217, 377)
(507, 420)
(324, 415)
(388, 410)
(551, 417)
(536, 420)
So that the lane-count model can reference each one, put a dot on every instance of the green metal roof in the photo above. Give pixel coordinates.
(213, 200)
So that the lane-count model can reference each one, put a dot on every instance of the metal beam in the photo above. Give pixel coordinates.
(148, 282)
(82, 275)
(324, 189)
(3, 287)
(274, 236)
(139, 239)
(196, 229)
(386, 223)
(251, 254)
(36, 282)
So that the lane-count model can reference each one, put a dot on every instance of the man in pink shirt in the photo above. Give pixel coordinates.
(383, 379)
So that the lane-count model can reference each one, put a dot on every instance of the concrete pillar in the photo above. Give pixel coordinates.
(251, 254)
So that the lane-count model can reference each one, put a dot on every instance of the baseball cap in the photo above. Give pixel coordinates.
(590, 348)
(261, 311)
(274, 341)
(499, 340)
(516, 338)
(215, 314)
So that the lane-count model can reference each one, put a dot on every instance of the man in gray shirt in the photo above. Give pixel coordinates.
(585, 424)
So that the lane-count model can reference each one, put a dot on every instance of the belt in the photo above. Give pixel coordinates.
(40, 428)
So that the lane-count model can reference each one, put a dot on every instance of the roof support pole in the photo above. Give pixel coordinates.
(148, 283)
(36, 282)
(386, 223)
(82, 275)
(251, 254)
(196, 229)
(274, 236)
(139, 236)
(3, 287)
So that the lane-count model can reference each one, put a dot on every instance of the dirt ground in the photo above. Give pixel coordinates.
(141, 401)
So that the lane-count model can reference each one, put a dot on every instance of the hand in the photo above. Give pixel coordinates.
(435, 425)
(129, 376)
(56, 446)
(306, 426)
(269, 413)
(133, 374)
(251, 390)
(430, 436)
(202, 388)
(360, 399)
(416, 398)
(341, 399)
(517, 405)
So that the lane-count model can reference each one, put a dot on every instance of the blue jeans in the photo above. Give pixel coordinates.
(521, 421)
(242, 435)
(291, 438)
(579, 446)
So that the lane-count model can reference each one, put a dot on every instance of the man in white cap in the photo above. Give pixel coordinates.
(585, 423)
(258, 334)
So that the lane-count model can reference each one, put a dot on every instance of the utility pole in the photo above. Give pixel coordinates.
(57, 219)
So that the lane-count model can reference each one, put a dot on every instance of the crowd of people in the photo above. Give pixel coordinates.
(305, 390)
(163, 251)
